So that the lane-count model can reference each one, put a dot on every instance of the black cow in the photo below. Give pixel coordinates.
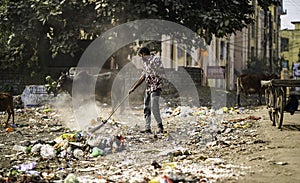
(84, 80)
(250, 84)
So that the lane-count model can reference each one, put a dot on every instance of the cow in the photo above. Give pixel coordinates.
(85, 80)
(103, 88)
(6, 105)
(250, 84)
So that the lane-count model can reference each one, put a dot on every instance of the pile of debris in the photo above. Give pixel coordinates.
(190, 151)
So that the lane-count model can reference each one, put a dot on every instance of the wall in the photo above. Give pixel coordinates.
(293, 36)
(12, 81)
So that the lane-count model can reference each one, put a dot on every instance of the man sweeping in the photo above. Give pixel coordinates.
(151, 75)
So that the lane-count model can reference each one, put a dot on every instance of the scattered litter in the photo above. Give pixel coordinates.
(189, 152)
(245, 119)
(280, 163)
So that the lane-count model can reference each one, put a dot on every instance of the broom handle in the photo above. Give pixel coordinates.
(117, 106)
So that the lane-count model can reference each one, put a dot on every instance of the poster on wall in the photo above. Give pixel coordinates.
(35, 95)
(216, 72)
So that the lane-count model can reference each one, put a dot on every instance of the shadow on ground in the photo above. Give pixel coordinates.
(291, 127)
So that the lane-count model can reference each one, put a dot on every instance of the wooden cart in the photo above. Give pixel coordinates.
(276, 95)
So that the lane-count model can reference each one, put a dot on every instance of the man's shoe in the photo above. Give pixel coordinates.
(146, 131)
(161, 130)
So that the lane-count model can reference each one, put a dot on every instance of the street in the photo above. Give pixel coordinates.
(201, 145)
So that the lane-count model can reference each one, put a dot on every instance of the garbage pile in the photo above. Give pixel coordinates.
(68, 147)
(184, 111)
(190, 151)
(40, 149)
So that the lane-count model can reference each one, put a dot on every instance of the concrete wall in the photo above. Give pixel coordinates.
(13, 82)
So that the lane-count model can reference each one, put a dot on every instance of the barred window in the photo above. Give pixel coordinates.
(284, 44)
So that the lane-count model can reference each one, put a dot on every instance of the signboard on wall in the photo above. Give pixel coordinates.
(216, 72)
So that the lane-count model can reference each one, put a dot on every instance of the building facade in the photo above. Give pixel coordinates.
(254, 49)
(290, 46)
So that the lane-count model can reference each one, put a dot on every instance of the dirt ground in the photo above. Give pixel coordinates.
(278, 159)
(274, 158)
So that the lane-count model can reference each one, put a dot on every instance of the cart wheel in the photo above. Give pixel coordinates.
(269, 102)
(279, 107)
(272, 109)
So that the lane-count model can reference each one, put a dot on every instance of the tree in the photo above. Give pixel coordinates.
(255, 65)
(28, 28)
(20, 33)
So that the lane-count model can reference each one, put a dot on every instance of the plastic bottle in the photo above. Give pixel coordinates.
(71, 178)
(26, 167)
(97, 152)
(19, 148)
(47, 152)
(78, 153)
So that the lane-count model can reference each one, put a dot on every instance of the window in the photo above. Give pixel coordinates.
(252, 30)
(180, 52)
(222, 50)
(284, 44)
(228, 51)
(275, 13)
(252, 52)
(188, 60)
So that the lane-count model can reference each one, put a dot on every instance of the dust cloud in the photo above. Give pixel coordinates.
(63, 104)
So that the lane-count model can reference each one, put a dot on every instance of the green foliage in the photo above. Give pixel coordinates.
(26, 25)
(51, 85)
(7, 88)
(255, 65)
(18, 30)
